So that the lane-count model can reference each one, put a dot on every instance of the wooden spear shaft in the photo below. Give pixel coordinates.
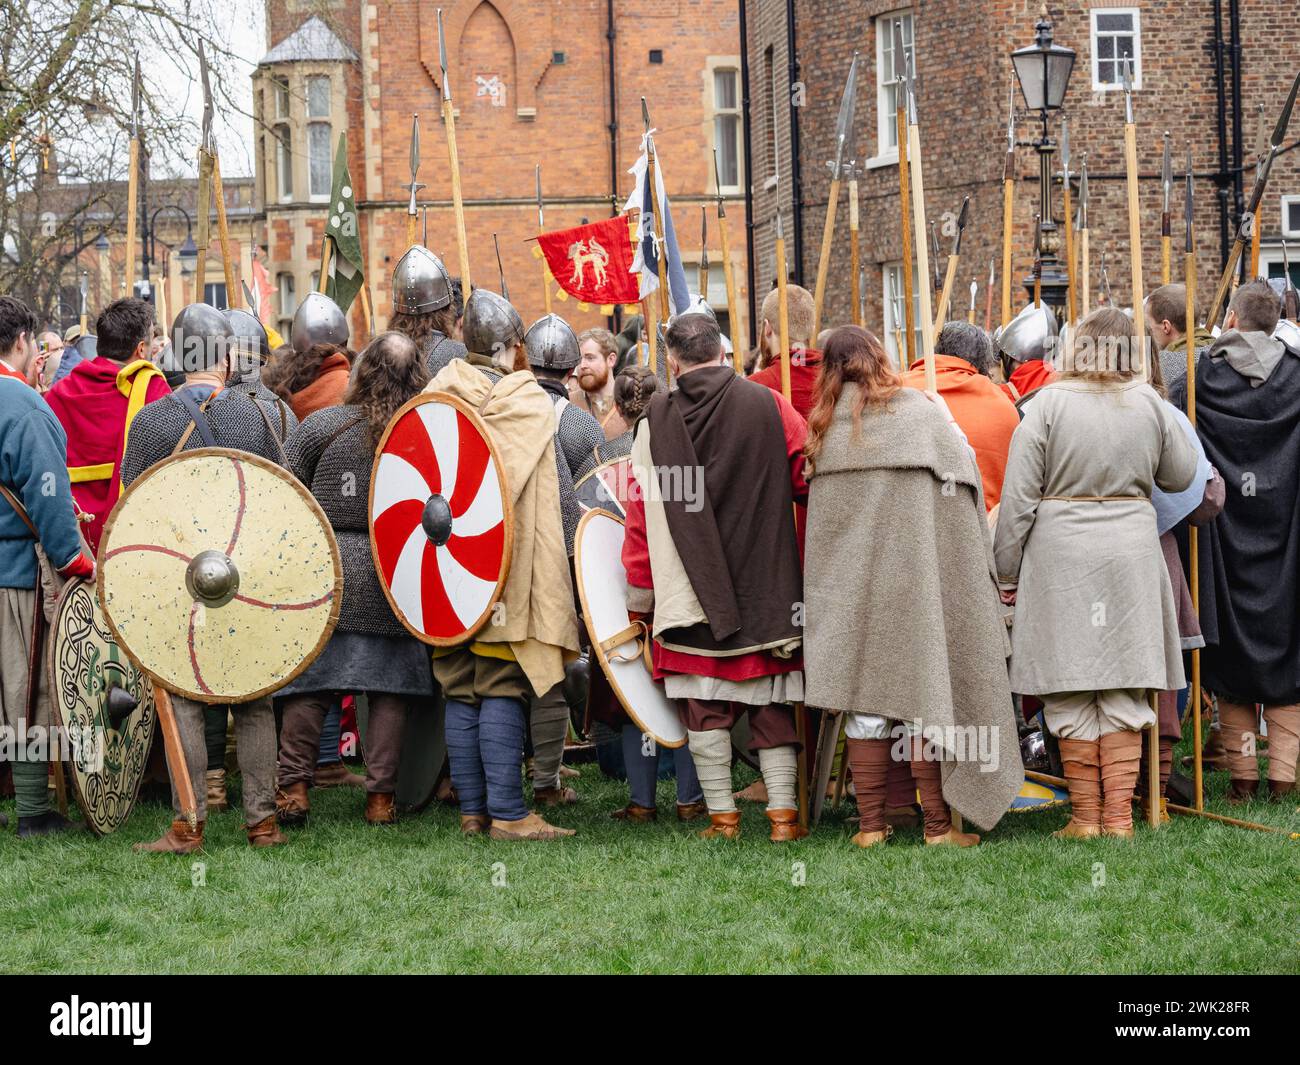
(175, 752)
(945, 296)
(855, 254)
(233, 297)
(922, 254)
(453, 160)
(1071, 304)
(660, 244)
(905, 202)
(733, 303)
(1198, 769)
(1085, 283)
(824, 259)
(325, 249)
(132, 205)
(1008, 200)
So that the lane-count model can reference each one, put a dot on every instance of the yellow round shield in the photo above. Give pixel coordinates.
(219, 574)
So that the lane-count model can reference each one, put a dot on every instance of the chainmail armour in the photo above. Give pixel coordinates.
(333, 458)
(442, 349)
(619, 447)
(233, 414)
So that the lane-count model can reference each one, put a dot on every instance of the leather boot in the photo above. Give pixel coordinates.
(785, 826)
(934, 808)
(726, 825)
(178, 839)
(292, 804)
(1241, 791)
(337, 775)
(266, 833)
(474, 824)
(640, 815)
(380, 808)
(1121, 755)
(561, 796)
(1082, 762)
(1279, 789)
(691, 811)
(532, 827)
(49, 823)
(217, 799)
(871, 839)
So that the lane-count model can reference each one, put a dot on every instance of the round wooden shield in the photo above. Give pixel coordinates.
(441, 529)
(606, 486)
(423, 762)
(104, 703)
(219, 574)
(621, 651)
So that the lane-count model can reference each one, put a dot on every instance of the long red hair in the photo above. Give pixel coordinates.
(851, 354)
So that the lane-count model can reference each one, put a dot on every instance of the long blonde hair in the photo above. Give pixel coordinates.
(1105, 346)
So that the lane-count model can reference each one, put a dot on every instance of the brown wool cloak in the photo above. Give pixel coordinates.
(903, 618)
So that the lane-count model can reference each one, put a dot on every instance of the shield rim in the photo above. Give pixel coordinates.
(596, 652)
(336, 601)
(507, 511)
(595, 472)
(56, 711)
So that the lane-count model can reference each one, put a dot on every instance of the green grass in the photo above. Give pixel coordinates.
(344, 898)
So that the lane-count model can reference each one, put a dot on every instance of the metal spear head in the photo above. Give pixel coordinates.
(1105, 278)
(1284, 119)
(1083, 192)
(206, 143)
(1128, 91)
(991, 271)
(412, 208)
(1011, 118)
(962, 216)
(85, 288)
(717, 186)
(501, 272)
(1187, 205)
(442, 58)
(645, 115)
(844, 124)
(934, 255)
(1167, 174)
(1065, 150)
(974, 288)
(540, 223)
(135, 100)
(249, 302)
(780, 227)
(704, 237)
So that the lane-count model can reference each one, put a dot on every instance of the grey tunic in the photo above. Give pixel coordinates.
(1076, 532)
(370, 650)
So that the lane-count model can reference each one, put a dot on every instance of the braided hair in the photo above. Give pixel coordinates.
(633, 387)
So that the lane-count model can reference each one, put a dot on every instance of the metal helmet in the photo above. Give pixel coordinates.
(247, 334)
(421, 284)
(698, 305)
(552, 344)
(491, 323)
(1289, 333)
(1027, 335)
(200, 337)
(318, 321)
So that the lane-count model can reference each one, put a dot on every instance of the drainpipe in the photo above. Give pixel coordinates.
(1222, 178)
(616, 323)
(749, 171)
(796, 170)
(1238, 149)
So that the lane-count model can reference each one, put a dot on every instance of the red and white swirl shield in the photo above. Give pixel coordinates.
(440, 523)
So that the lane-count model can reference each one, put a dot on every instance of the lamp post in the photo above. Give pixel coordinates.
(1043, 72)
(188, 251)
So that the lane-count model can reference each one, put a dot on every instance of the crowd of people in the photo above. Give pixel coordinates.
(937, 566)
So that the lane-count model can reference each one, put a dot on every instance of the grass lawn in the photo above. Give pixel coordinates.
(1195, 897)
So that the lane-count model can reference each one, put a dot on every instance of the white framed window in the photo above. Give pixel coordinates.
(1116, 34)
(771, 156)
(318, 97)
(888, 69)
(319, 175)
(1291, 216)
(288, 297)
(895, 317)
(214, 294)
(283, 164)
(726, 126)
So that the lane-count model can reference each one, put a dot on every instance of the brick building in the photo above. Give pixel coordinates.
(963, 77)
(552, 83)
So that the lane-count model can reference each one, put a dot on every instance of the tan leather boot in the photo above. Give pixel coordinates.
(785, 826)
(725, 826)
(292, 804)
(559, 796)
(640, 815)
(266, 833)
(380, 808)
(532, 827)
(337, 775)
(871, 839)
(178, 839)
(953, 838)
(1121, 756)
(1082, 762)
(216, 782)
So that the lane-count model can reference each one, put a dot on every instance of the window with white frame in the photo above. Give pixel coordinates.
(280, 88)
(288, 297)
(214, 294)
(888, 69)
(1116, 37)
(895, 317)
(726, 126)
(283, 164)
(771, 157)
(1291, 216)
(319, 139)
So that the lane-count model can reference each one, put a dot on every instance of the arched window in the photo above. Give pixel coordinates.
(319, 138)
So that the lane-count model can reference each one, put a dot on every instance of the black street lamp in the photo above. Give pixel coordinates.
(188, 252)
(1043, 71)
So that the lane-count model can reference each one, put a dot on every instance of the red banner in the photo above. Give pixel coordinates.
(593, 263)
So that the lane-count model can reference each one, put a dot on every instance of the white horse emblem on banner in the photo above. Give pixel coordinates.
(582, 252)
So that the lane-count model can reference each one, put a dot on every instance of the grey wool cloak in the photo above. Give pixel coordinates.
(1076, 536)
(902, 616)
